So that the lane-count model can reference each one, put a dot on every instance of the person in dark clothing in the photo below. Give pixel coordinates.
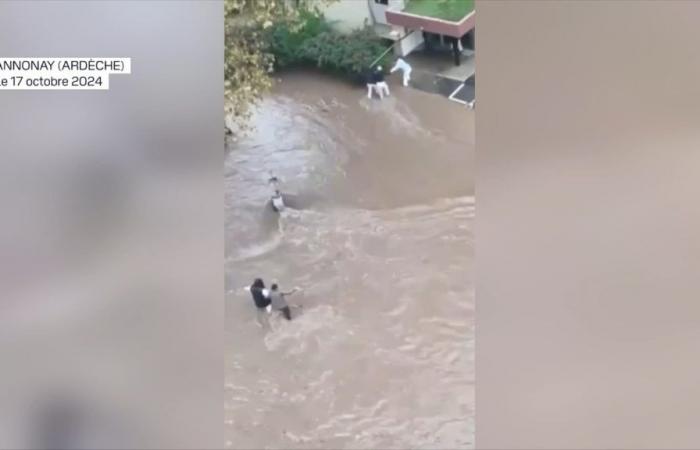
(380, 85)
(261, 298)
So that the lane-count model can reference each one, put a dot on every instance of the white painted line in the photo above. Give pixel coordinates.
(451, 97)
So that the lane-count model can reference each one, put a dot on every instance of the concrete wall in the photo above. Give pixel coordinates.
(432, 25)
(410, 43)
(351, 14)
(347, 15)
(379, 10)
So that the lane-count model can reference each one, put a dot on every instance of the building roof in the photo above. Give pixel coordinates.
(448, 17)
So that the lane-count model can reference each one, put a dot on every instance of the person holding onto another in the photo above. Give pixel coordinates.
(261, 299)
(405, 68)
(279, 303)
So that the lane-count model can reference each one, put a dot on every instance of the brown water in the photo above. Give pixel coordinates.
(381, 355)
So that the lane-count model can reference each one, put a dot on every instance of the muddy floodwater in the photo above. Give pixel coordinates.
(381, 352)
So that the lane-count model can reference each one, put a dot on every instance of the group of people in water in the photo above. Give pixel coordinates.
(272, 299)
(376, 82)
(268, 300)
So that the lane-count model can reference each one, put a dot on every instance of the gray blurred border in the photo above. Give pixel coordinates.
(111, 238)
(587, 232)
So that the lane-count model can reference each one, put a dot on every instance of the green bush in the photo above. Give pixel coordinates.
(285, 38)
(347, 54)
(310, 40)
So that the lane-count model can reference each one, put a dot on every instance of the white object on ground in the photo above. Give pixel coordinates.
(453, 95)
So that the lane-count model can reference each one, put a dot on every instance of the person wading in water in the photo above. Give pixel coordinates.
(261, 298)
(405, 68)
(380, 85)
(279, 303)
(277, 201)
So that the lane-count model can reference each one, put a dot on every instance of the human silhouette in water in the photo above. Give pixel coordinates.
(380, 85)
(278, 301)
(261, 299)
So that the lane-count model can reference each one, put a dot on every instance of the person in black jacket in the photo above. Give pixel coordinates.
(261, 298)
(380, 85)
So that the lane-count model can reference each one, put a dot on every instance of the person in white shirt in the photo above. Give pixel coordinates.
(405, 68)
(277, 202)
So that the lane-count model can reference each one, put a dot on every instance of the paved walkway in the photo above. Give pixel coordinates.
(461, 72)
(437, 74)
(467, 92)
(442, 64)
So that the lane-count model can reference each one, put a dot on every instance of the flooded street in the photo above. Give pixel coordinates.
(381, 353)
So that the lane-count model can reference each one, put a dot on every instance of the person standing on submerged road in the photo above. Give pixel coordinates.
(371, 86)
(261, 298)
(278, 301)
(381, 86)
(405, 68)
(277, 202)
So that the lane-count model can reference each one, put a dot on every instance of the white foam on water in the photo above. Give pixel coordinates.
(257, 249)
(301, 335)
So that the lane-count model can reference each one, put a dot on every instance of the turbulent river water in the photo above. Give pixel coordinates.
(381, 352)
